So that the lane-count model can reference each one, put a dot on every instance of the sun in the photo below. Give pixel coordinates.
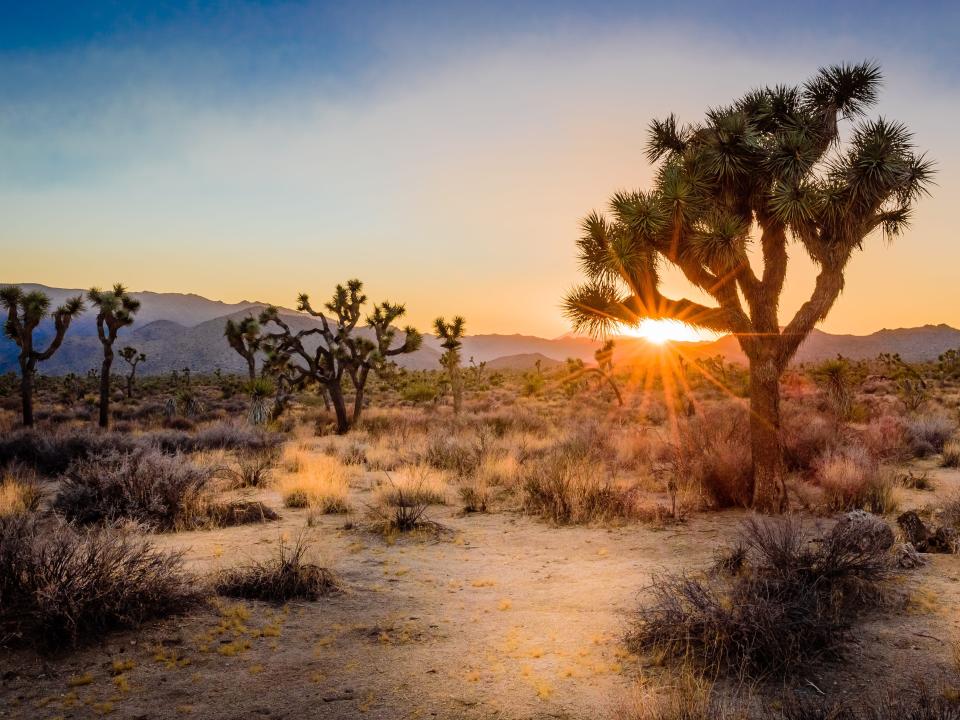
(660, 332)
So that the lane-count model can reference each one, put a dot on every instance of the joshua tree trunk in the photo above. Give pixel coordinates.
(359, 386)
(339, 407)
(457, 386)
(769, 488)
(26, 394)
(105, 386)
(130, 382)
(251, 366)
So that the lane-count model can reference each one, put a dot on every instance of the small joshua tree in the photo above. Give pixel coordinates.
(451, 335)
(244, 337)
(132, 357)
(770, 169)
(115, 310)
(340, 351)
(25, 311)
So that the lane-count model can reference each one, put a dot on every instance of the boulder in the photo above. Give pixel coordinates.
(862, 531)
(926, 540)
(906, 556)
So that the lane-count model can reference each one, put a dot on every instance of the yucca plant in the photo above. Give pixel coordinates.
(260, 390)
(25, 311)
(451, 336)
(115, 310)
(768, 169)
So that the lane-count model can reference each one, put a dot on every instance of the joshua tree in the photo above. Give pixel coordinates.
(25, 311)
(769, 169)
(244, 337)
(115, 310)
(339, 350)
(133, 358)
(452, 336)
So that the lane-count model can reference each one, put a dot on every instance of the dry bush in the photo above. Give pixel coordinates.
(402, 501)
(807, 434)
(219, 436)
(164, 492)
(928, 434)
(322, 483)
(474, 496)
(19, 492)
(886, 437)
(790, 601)
(52, 453)
(251, 468)
(498, 471)
(688, 697)
(567, 488)
(287, 576)
(852, 479)
(713, 455)
(59, 586)
(454, 453)
(951, 454)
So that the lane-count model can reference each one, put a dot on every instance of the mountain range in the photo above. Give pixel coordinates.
(176, 331)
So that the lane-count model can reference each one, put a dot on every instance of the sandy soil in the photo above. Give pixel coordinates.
(503, 617)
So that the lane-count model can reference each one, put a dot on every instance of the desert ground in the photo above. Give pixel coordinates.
(496, 602)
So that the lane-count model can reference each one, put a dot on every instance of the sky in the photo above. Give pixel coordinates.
(442, 152)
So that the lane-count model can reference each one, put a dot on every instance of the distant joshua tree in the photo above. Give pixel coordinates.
(25, 311)
(771, 169)
(340, 350)
(244, 337)
(132, 357)
(451, 334)
(115, 310)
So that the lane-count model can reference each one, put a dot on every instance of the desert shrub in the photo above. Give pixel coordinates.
(287, 576)
(353, 453)
(252, 468)
(807, 434)
(790, 602)
(885, 437)
(403, 500)
(927, 434)
(567, 488)
(164, 492)
(474, 496)
(322, 483)
(497, 471)
(51, 454)
(59, 586)
(852, 479)
(951, 453)
(19, 492)
(420, 392)
(712, 454)
(454, 453)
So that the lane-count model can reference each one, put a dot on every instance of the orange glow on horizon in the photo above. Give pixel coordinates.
(660, 332)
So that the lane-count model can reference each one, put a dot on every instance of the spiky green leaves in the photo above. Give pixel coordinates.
(719, 242)
(450, 333)
(666, 138)
(115, 307)
(595, 307)
(845, 89)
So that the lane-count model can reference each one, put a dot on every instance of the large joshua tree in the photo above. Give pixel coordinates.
(115, 310)
(451, 336)
(326, 353)
(25, 311)
(244, 337)
(764, 172)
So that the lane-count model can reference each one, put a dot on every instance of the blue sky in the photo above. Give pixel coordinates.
(441, 151)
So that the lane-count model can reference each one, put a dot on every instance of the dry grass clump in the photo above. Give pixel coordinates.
(59, 586)
(403, 500)
(251, 468)
(454, 453)
(566, 488)
(713, 455)
(19, 492)
(787, 602)
(287, 576)
(322, 483)
(851, 478)
(807, 434)
(951, 454)
(474, 496)
(928, 434)
(161, 491)
(886, 437)
(498, 471)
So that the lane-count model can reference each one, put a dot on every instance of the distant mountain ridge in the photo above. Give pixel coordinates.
(186, 330)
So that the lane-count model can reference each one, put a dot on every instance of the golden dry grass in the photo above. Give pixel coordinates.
(320, 482)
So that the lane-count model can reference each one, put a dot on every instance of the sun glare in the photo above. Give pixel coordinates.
(659, 332)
